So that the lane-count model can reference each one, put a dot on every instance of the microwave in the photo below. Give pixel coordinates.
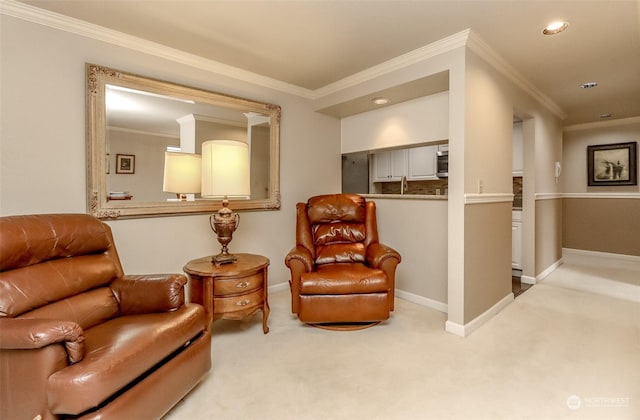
(442, 164)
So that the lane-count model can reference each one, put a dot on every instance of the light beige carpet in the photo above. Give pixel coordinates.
(554, 353)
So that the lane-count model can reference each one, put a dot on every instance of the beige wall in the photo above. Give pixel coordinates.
(487, 241)
(487, 172)
(602, 219)
(602, 225)
(42, 149)
(419, 234)
(548, 232)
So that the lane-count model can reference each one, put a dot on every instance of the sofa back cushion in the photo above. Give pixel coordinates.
(86, 309)
(45, 259)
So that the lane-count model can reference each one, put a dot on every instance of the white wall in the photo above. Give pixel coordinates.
(42, 148)
(408, 123)
(577, 138)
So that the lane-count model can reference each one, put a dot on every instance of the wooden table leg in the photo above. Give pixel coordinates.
(207, 283)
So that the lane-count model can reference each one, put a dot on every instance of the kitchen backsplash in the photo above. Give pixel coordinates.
(416, 187)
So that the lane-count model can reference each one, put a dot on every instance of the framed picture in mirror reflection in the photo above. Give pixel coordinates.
(125, 164)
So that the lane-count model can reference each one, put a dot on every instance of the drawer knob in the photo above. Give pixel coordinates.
(243, 302)
(242, 285)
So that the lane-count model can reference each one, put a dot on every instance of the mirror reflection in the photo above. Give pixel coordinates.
(147, 125)
(134, 121)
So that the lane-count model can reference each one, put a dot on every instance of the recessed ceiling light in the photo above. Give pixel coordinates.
(555, 28)
(380, 101)
(589, 85)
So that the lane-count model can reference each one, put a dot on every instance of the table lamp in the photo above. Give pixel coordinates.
(182, 174)
(225, 174)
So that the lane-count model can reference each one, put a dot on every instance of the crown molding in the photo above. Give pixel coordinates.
(76, 26)
(480, 47)
(463, 38)
(602, 124)
(397, 63)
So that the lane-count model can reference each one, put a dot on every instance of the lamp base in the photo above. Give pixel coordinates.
(223, 258)
(224, 223)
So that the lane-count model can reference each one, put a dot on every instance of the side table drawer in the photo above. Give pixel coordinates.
(233, 286)
(225, 305)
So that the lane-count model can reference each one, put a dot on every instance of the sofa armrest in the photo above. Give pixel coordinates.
(378, 253)
(141, 294)
(27, 333)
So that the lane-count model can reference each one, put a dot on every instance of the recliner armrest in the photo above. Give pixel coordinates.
(378, 253)
(302, 254)
(31, 333)
(141, 294)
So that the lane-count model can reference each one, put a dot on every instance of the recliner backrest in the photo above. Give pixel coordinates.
(338, 227)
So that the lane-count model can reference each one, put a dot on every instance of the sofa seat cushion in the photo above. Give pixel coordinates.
(119, 351)
(343, 278)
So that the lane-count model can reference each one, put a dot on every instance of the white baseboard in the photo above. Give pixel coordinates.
(587, 253)
(474, 324)
(528, 280)
(549, 270)
(422, 301)
(279, 287)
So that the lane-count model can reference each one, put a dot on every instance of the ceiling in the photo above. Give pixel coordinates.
(311, 44)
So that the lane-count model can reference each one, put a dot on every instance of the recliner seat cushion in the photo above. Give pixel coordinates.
(345, 278)
(117, 352)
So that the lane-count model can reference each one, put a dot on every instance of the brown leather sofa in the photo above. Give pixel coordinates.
(342, 277)
(78, 338)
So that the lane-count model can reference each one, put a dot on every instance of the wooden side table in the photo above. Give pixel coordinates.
(230, 291)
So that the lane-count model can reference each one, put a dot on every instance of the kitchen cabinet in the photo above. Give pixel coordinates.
(422, 163)
(516, 240)
(389, 165)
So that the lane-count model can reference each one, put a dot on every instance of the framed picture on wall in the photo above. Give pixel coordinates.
(612, 164)
(125, 164)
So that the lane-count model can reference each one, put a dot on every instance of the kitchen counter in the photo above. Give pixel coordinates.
(408, 196)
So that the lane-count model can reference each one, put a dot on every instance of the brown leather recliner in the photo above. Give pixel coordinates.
(80, 339)
(341, 275)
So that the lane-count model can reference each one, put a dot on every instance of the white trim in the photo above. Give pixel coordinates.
(528, 280)
(587, 253)
(632, 195)
(463, 38)
(144, 132)
(480, 47)
(412, 57)
(601, 124)
(99, 33)
(474, 324)
(548, 196)
(549, 270)
(488, 198)
(422, 301)
(279, 287)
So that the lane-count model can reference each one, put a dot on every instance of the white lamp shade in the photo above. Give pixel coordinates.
(182, 173)
(225, 169)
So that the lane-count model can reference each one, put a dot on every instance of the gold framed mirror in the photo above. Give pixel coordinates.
(132, 121)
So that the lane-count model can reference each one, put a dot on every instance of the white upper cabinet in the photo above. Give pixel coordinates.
(422, 163)
(390, 165)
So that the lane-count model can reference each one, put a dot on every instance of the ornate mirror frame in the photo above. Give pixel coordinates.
(98, 202)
